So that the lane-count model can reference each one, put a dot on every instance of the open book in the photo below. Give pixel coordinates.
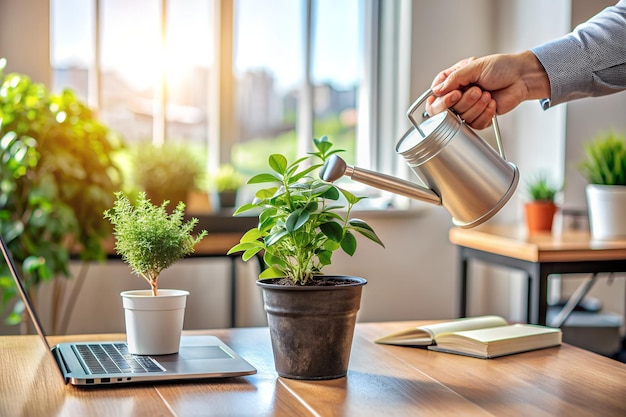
(483, 337)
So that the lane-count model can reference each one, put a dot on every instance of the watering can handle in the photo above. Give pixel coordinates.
(429, 93)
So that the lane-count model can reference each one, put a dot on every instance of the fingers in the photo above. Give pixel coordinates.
(441, 77)
(485, 118)
(473, 104)
(436, 105)
(457, 77)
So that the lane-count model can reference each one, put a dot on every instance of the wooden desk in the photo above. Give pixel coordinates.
(539, 255)
(382, 381)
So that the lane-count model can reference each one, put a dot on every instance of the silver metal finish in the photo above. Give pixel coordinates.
(473, 180)
(335, 168)
(465, 174)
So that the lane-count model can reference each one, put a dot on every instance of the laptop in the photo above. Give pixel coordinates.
(97, 363)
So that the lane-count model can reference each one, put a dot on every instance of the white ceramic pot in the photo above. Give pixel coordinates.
(607, 208)
(154, 324)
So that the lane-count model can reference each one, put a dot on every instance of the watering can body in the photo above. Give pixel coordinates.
(461, 171)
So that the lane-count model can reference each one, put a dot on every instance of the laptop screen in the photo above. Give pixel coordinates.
(22, 291)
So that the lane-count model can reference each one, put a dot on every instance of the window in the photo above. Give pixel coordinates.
(238, 78)
(298, 67)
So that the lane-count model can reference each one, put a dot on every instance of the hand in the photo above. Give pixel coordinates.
(478, 88)
(473, 105)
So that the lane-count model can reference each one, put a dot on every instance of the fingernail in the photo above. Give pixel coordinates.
(455, 95)
(437, 89)
(485, 97)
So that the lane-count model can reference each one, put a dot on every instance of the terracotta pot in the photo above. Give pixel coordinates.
(311, 327)
(540, 215)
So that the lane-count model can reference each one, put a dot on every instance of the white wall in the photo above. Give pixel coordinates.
(415, 276)
(24, 37)
(585, 118)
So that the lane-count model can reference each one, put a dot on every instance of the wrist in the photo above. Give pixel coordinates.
(534, 76)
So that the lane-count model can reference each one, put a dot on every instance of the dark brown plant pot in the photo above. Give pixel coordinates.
(311, 327)
(227, 199)
(540, 215)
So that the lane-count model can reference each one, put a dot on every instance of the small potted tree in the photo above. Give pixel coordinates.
(151, 240)
(604, 167)
(541, 208)
(311, 317)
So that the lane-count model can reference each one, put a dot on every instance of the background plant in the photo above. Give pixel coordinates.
(605, 161)
(301, 223)
(166, 172)
(148, 238)
(227, 179)
(540, 189)
(57, 176)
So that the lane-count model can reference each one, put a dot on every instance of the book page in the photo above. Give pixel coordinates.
(498, 341)
(503, 333)
(425, 335)
(470, 323)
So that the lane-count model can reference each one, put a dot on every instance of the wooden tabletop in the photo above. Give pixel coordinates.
(516, 242)
(382, 381)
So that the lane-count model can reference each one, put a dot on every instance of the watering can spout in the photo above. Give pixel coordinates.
(335, 167)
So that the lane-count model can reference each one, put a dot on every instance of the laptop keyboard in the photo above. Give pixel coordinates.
(113, 358)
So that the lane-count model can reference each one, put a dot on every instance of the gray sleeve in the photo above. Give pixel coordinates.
(590, 61)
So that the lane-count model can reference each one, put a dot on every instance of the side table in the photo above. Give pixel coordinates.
(539, 255)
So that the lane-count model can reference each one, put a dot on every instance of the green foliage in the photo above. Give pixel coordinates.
(605, 161)
(540, 189)
(300, 218)
(227, 179)
(148, 238)
(56, 178)
(166, 172)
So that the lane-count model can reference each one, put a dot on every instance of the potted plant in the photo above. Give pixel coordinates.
(541, 208)
(58, 175)
(605, 170)
(166, 172)
(311, 317)
(226, 182)
(151, 240)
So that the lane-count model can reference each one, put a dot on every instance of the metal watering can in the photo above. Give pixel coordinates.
(461, 171)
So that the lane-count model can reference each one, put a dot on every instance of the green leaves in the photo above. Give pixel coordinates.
(296, 220)
(261, 178)
(540, 189)
(148, 238)
(278, 163)
(366, 230)
(333, 230)
(57, 177)
(605, 161)
(298, 230)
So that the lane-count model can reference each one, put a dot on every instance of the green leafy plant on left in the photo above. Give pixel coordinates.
(57, 176)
